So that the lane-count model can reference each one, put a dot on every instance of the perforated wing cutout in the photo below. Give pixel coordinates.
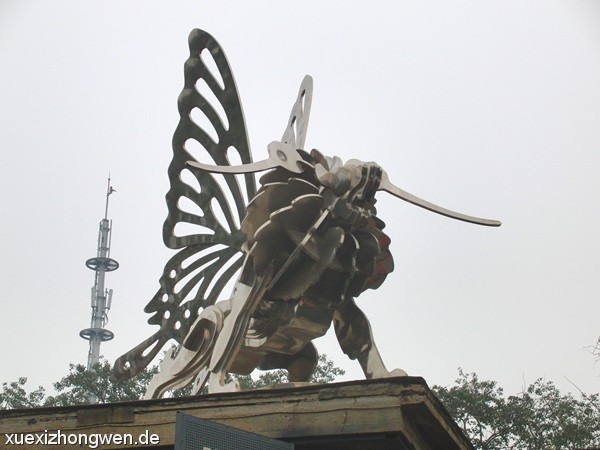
(204, 209)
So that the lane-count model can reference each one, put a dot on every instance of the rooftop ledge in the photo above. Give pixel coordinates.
(389, 413)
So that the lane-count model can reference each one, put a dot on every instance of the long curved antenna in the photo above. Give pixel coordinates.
(387, 186)
(280, 154)
(295, 133)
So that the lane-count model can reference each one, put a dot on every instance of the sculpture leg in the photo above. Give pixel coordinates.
(180, 366)
(243, 303)
(300, 366)
(164, 380)
(228, 341)
(354, 334)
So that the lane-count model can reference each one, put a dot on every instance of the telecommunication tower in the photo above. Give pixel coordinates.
(101, 297)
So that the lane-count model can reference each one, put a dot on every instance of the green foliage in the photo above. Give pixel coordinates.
(79, 384)
(14, 396)
(539, 418)
(479, 408)
(549, 419)
(326, 371)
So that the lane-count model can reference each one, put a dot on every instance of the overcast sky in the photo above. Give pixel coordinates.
(489, 108)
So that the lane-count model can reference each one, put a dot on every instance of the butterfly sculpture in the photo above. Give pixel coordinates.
(306, 244)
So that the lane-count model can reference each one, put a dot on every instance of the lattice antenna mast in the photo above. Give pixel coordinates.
(101, 297)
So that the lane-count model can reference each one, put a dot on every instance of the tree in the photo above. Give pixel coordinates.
(551, 419)
(479, 408)
(539, 418)
(595, 349)
(76, 387)
(14, 396)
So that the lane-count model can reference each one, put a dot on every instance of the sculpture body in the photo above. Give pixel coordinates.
(307, 244)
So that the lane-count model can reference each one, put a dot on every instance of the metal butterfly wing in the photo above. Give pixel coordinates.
(204, 209)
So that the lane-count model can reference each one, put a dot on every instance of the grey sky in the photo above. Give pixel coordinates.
(488, 108)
